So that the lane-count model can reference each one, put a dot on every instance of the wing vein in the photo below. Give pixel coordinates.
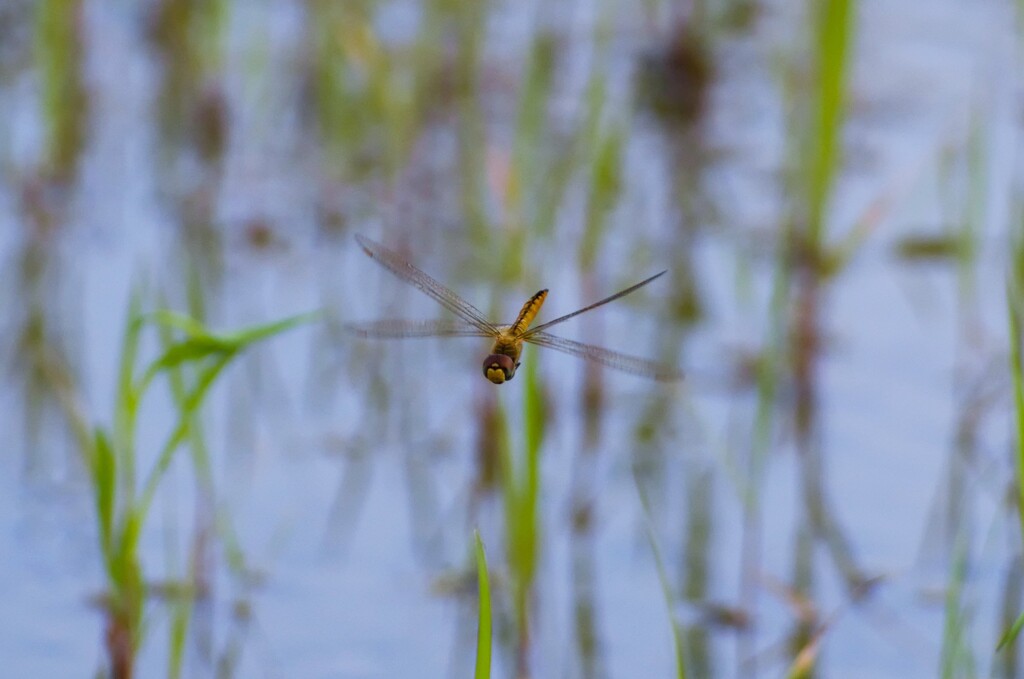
(612, 359)
(447, 298)
(401, 328)
(622, 293)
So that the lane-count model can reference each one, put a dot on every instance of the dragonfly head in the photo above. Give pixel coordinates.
(499, 368)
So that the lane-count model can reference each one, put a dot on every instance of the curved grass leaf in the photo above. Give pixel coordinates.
(200, 343)
(244, 338)
(187, 351)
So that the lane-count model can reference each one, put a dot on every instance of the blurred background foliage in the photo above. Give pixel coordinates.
(835, 489)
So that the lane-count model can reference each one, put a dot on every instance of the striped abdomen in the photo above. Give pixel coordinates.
(528, 313)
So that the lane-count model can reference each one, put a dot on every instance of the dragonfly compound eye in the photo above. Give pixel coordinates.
(499, 368)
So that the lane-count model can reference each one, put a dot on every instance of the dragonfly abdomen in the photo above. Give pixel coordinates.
(528, 313)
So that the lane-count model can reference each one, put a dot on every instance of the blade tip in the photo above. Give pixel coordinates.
(365, 243)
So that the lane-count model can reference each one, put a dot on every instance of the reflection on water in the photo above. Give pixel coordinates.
(826, 493)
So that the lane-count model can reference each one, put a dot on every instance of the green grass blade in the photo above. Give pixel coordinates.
(237, 340)
(176, 378)
(126, 548)
(1011, 634)
(1017, 368)
(1013, 302)
(533, 409)
(104, 478)
(121, 512)
(59, 63)
(200, 343)
(244, 338)
(182, 609)
(806, 662)
(177, 321)
(185, 418)
(678, 633)
(521, 492)
(127, 403)
(834, 32)
(955, 654)
(483, 632)
(125, 572)
(533, 412)
(189, 350)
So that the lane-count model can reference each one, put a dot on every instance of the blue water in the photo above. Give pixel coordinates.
(346, 469)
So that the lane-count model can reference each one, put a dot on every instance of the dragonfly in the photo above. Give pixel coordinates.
(507, 338)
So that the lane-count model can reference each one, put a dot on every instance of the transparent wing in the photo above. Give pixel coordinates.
(399, 329)
(394, 263)
(607, 357)
(529, 334)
